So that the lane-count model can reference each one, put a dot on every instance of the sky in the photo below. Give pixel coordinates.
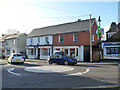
(26, 15)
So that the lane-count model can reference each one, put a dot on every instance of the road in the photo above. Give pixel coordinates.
(40, 74)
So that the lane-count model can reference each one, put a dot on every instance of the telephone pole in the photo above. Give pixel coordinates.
(90, 40)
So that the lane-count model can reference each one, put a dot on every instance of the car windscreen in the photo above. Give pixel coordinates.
(17, 55)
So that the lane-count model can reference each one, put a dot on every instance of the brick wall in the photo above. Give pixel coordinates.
(84, 38)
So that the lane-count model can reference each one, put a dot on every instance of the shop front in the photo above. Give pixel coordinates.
(72, 51)
(111, 50)
(38, 52)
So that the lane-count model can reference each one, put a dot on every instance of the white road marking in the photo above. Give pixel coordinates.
(12, 69)
(79, 73)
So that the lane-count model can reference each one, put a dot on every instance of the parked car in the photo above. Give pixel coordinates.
(16, 57)
(61, 59)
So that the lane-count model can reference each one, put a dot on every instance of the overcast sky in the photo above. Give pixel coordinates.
(25, 15)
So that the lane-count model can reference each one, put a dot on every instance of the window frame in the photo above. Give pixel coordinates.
(60, 38)
(74, 38)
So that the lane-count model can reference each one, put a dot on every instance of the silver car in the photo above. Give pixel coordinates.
(16, 57)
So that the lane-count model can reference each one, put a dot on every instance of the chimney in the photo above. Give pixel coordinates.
(79, 20)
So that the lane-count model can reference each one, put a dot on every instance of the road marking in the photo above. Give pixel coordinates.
(79, 73)
(12, 69)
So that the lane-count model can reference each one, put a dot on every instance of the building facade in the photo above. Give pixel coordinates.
(111, 47)
(14, 43)
(39, 46)
(72, 37)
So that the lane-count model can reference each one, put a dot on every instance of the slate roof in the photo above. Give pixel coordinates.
(10, 36)
(115, 28)
(77, 26)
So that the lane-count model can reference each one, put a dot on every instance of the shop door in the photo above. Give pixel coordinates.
(38, 53)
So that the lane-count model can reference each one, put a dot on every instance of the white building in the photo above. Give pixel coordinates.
(39, 46)
(13, 43)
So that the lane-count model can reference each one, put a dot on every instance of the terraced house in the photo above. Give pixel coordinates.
(13, 43)
(72, 37)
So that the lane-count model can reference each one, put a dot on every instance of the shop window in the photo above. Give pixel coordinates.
(108, 50)
(61, 39)
(116, 50)
(45, 52)
(112, 51)
(8, 52)
(75, 38)
(72, 53)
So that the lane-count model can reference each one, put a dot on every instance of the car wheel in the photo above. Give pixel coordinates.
(66, 62)
(50, 62)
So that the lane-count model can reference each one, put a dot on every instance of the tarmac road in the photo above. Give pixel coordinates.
(55, 76)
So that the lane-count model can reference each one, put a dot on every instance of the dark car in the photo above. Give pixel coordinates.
(61, 59)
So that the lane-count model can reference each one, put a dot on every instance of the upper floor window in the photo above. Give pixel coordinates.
(13, 42)
(31, 40)
(61, 39)
(92, 37)
(6, 42)
(46, 40)
(38, 39)
(75, 38)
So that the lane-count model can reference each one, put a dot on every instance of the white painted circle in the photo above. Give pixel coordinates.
(48, 69)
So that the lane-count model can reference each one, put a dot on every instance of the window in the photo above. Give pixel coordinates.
(75, 38)
(45, 51)
(31, 40)
(38, 39)
(13, 51)
(116, 50)
(61, 39)
(108, 50)
(92, 37)
(6, 42)
(46, 40)
(8, 52)
(13, 42)
(112, 51)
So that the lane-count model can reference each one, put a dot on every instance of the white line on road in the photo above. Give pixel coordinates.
(79, 73)
(12, 69)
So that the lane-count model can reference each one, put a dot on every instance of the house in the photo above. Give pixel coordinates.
(72, 37)
(2, 47)
(111, 47)
(39, 44)
(13, 43)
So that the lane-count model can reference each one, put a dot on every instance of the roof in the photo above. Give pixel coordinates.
(115, 28)
(115, 37)
(77, 26)
(10, 36)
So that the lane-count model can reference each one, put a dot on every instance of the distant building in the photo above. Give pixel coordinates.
(13, 43)
(111, 47)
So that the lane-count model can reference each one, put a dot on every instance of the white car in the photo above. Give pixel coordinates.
(16, 57)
